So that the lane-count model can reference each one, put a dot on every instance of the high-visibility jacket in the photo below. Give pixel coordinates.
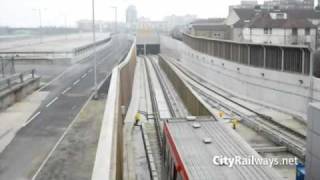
(137, 117)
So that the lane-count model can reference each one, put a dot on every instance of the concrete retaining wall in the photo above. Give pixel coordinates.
(285, 91)
(192, 103)
(109, 163)
(17, 92)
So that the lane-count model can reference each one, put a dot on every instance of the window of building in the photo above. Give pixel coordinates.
(267, 30)
(294, 31)
(307, 31)
(280, 15)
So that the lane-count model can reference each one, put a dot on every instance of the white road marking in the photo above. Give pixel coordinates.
(90, 70)
(76, 82)
(51, 102)
(85, 75)
(32, 118)
(60, 140)
(66, 90)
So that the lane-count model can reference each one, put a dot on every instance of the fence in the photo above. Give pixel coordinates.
(294, 59)
(16, 79)
(7, 66)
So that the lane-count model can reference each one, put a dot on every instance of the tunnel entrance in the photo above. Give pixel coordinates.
(149, 48)
(148, 40)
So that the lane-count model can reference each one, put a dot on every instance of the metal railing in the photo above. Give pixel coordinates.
(8, 82)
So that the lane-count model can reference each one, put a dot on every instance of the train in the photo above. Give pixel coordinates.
(191, 147)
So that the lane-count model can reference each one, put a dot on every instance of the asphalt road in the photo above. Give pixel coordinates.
(68, 93)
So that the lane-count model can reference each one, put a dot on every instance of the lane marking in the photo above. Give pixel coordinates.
(66, 90)
(90, 70)
(61, 138)
(85, 75)
(32, 118)
(76, 82)
(51, 102)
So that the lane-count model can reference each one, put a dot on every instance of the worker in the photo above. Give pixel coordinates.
(137, 118)
(234, 122)
(221, 114)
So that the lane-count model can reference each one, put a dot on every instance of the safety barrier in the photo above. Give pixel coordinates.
(88, 47)
(16, 78)
(109, 163)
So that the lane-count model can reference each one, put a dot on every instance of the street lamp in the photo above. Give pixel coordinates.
(95, 53)
(115, 17)
(65, 24)
(40, 22)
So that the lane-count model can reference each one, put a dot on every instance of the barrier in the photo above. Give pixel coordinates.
(192, 103)
(108, 163)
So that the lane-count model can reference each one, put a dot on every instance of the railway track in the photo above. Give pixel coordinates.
(278, 133)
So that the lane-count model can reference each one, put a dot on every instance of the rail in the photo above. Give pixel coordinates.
(277, 132)
(155, 109)
(16, 79)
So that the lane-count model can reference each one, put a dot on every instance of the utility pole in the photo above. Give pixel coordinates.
(94, 53)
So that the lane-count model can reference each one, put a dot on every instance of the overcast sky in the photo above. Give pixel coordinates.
(20, 13)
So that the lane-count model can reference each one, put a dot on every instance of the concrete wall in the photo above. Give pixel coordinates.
(280, 90)
(313, 143)
(186, 93)
(109, 163)
(18, 92)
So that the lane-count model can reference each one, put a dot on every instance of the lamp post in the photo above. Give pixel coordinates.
(94, 53)
(65, 24)
(115, 18)
(40, 23)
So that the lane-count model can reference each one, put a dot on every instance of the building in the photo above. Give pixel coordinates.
(212, 28)
(131, 17)
(86, 25)
(275, 27)
(297, 20)
(246, 4)
(289, 4)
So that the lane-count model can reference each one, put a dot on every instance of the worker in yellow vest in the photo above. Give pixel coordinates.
(137, 118)
(234, 122)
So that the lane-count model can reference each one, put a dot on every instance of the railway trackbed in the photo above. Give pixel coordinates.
(280, 134)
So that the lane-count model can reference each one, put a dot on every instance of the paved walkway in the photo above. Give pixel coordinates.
(136, 166)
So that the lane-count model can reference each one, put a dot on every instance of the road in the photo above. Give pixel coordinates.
(68, 93)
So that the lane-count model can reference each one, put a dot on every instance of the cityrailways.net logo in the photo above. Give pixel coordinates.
(252, 160)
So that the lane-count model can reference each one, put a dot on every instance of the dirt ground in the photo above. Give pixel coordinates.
(74, 157)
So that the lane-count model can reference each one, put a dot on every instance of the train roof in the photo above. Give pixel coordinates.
(191, 141)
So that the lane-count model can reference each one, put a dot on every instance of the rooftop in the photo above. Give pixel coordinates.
(263, 20)
(209, 21)
(192, 141)
(297, 17)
